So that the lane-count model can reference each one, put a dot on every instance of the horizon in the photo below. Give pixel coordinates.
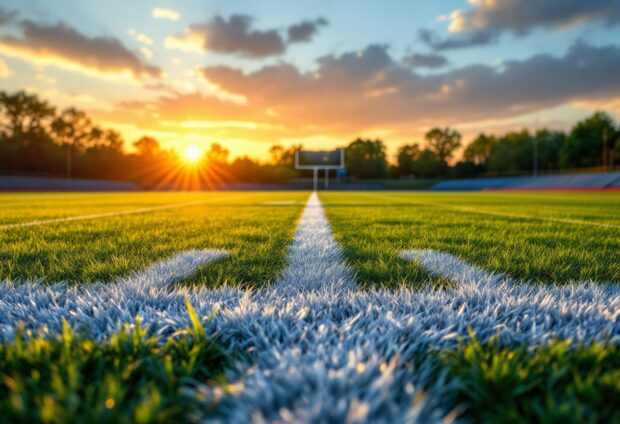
(249, 76)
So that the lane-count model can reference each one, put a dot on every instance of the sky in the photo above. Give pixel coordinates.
(250, 74)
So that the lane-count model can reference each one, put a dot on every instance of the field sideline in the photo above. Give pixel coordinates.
(348, 306)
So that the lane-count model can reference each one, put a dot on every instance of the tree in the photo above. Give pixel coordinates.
(276, 151)
(284, 157)
(110, 140)
(147, 146)
(23, 115)
(406, 158)
(479, 151)
(73, 129)
(366, 159)
(549, 144)
(429, 165)
(217, 153)
(512, 153)
(590, 143)
(443, 142)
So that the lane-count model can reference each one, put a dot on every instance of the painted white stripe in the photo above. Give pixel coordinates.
(164, 274)
(315, 260)
(109, 214)
(323, 351)
(495, 213)
(449, 266)
(524, 216)
(280, 203)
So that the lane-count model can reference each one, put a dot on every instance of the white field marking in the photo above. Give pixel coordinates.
(162, 275)
(324, 351)
(494, 213)
(109, 214)
(315, 261)
(280, 203)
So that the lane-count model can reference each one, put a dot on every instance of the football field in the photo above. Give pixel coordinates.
(305, 307)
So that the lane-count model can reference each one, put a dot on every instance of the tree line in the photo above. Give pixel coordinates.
(38, 139)
(593, 142)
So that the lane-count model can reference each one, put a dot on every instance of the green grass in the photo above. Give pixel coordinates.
(257, 235)
(131, 378)
(373, 228)
(557, 383)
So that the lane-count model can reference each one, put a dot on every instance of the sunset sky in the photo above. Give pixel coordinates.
(248, 74)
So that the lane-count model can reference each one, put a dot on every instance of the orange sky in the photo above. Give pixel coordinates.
(248, 77)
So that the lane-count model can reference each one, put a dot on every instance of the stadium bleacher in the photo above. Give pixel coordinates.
(603, 180)
(14, 183)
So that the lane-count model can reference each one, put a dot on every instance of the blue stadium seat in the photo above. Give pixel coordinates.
(570, 181)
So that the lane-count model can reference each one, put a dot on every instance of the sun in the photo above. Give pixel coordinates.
(192, 154)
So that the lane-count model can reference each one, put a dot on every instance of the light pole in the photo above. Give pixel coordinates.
(69, 153)
(535, 157)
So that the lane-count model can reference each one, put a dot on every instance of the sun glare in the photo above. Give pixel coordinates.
(192, 154)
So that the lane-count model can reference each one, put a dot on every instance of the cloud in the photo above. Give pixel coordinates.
(488, 19)
(431, 61)
(434, 41)
(370, 89)
(4, 69)
(162, 13)
(145, 39)
(63, 46)
(233, 35)
(7, 17)
(305, 31)
(236, 35)
(370, 93)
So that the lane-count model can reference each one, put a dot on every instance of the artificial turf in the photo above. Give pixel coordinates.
(254, 227)
(534, 237)
(561, 382)
(130, 378)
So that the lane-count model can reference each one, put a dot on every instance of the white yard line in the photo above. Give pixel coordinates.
(315, 260)
(109, 214)
(494, 213)
(449, 266)
(318, 349)
(164, 274)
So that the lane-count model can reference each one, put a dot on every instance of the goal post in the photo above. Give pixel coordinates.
(319, 160)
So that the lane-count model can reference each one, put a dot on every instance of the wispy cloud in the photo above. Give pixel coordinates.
(487, 20)
(163, 13)
(145, 39)
(370, 89)
(63, 46)
(4, 69)
(237, 35)
(305, 31)
(431, 61)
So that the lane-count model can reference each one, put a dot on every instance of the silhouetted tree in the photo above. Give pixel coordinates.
(366, 159)
(429, 165)
(147, 146)
(217, 153)
(25, 143)
(512, 153)
(443, 142)
(282, 156)
(590, 143)
(74, 130)
(479, 151)
(406, 158)
(23, 115)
